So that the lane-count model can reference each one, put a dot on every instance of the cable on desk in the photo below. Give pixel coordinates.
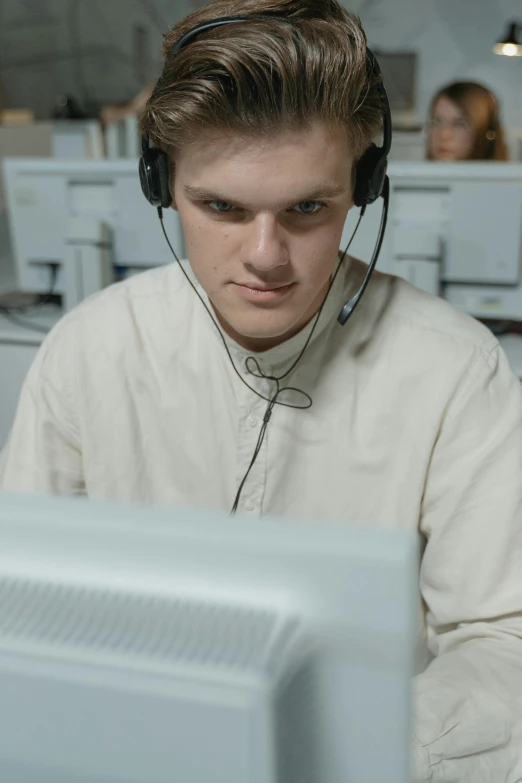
(21, 322)
(45, 299)
(13, 313)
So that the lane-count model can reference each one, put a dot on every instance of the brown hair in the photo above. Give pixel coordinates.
(480, 107)
(265, 75)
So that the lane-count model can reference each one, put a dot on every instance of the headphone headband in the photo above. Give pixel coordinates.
(223, 20)
(371, 168)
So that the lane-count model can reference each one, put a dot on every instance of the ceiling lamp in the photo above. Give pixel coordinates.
(510, 45)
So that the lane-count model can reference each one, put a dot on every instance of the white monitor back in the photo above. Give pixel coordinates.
(42, 195)
(455, 230)
(147, 646)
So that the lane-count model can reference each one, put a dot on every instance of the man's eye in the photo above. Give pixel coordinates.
(308, 207)
(221, 206)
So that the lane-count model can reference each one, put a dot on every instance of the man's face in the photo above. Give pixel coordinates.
(263, 222)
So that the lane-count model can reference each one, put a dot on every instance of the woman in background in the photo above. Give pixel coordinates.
(464, 124)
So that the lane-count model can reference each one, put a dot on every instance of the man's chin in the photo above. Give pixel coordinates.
(256, 334)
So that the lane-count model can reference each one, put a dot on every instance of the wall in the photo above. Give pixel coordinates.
(40, 41)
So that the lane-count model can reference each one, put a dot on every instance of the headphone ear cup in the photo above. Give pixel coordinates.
(164, 179)
(370, 173)
(154, 177)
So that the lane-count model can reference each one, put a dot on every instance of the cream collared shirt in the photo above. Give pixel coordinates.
(416, 424)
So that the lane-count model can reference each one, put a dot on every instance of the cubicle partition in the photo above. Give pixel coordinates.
(455, 229)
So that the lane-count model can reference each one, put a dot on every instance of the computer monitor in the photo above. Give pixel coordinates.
(140, 645)
(455, 230)
(44, 194)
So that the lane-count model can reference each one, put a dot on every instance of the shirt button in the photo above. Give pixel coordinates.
(249, 506)
(253, 420)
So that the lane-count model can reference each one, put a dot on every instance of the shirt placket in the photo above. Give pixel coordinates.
(252, 410)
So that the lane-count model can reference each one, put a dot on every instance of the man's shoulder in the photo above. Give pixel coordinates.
(427, 320)
(150, 311)
(134, 303)
(151, 287)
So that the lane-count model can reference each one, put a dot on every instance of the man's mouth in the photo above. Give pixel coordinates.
(264, 286)
(257, 292)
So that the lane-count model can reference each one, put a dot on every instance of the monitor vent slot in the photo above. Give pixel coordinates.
(64, 617)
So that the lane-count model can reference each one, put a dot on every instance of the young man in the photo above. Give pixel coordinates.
(416, 419)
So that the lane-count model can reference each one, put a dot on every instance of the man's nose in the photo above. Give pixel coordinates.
(265, 247)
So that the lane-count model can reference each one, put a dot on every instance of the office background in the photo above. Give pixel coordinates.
(105, 50)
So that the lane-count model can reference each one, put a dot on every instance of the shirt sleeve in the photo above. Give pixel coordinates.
(43, 453)
(468, 702)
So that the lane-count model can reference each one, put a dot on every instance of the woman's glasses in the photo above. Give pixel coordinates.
(458, 125)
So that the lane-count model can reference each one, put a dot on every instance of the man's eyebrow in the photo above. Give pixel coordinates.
(203, 194)
(317, 194)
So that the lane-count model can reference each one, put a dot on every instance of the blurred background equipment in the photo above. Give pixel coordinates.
(455, 230)
(44, 195)
(433, 226)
